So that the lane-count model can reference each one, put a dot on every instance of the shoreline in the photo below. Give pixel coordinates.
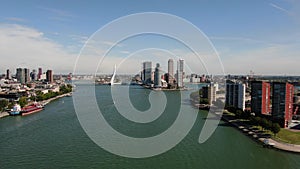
(292, 148)
(4, 114)
(254, 135)
(164, 89)
(44, 103)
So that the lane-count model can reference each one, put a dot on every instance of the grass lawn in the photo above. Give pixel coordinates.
(288, 136)
(229, 113)
(284, 135)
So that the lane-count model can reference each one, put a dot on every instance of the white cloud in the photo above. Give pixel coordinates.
(264, 59)
(21, 46)
(240, 55)
(274, 60)
(15, 19)
(279, 8)
(79, 38)
(293, 11)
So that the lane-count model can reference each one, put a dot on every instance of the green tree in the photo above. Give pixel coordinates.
(256, 120)
(246, 115)
(3, 104)
(264, 123)
(231, 109)
(65, 89)
(23, 101)
(238, 113)
(275, 128)
(269, 125)
(203, 101)
(11, 105)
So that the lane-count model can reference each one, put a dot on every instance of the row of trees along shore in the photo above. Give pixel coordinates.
(40, 96)
(263, 122)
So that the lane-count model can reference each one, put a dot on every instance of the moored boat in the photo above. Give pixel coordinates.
(16, 110)
(31, 109)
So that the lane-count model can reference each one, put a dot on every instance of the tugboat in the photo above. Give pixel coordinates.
(16, 110)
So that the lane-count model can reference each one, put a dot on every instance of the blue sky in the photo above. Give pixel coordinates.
(262, 36)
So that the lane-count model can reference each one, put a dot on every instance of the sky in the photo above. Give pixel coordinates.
(259, 36)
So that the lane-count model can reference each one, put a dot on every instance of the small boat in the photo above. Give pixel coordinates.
(16, 110)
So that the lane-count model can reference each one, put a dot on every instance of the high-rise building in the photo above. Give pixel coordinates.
(147, 72)
(33, 75)
(195, 78)
(23, 75)
(235, 94)
(260, 97)
(8, 75)
(49, 76)
(27, 75)
(40, 72)
(282, 103)
(179, 73)
(170, 71)
(209, 92)
(20, 75)
(157, 76)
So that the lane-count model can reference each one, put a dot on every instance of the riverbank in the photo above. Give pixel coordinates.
(259, 136)
(164, 88)
(4, 114)
(44, 103)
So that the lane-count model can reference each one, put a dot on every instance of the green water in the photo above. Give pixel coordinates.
(54, 138)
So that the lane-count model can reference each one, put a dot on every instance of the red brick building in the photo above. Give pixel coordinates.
(260, 97)
(282, 103)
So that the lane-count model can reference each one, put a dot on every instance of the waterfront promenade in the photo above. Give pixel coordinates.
(258, 136)
(254, 134)
(283, 146)
(44, 102)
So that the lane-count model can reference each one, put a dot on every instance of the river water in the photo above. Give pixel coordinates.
(54, 138)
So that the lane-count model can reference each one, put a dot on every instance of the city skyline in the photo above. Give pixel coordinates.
(150, 84)
(242, 32)
(156, 77)
(25, 75)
